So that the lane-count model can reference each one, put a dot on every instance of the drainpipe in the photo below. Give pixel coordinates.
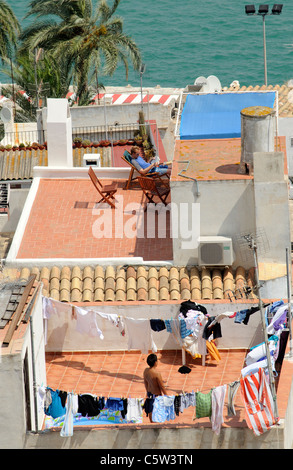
(189, 177)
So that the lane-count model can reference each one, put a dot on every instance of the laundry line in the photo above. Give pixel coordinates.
(140, 330)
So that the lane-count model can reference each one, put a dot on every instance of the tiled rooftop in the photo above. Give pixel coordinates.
(138, 283)
(119, 374)
(213, 159)
(64, 223)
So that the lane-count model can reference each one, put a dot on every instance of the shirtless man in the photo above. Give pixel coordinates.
(153, 383)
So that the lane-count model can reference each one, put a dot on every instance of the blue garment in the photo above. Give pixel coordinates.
(184, 331)
(163, 409)
(240, 316)
(55, 409)
(161, 169)
(115, 404)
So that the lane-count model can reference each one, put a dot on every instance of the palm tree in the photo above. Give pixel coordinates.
(9, 30)
(90, 38)
(47, 77)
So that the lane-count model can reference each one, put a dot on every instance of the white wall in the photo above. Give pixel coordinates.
(226, 209)
(62, 334)
(12, 393)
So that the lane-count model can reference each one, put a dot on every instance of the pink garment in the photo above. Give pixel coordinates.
(218, 398)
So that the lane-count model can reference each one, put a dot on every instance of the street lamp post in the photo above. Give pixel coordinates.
(142, 71)
(263, 10)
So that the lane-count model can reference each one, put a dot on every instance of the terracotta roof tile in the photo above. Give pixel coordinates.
(109, 284)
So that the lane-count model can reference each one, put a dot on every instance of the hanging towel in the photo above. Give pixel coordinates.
(203, 405)
(259, 351)
(279, 319)
(140, 335)
(163, 409)
(213, 350)
(67, 428)
(87, 323)
(258, 402)
(134, 410)
(218, 398)
(232, 390)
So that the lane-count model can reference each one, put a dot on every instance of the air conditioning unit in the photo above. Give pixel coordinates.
(215, 251)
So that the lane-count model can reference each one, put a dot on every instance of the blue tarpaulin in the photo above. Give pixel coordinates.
(217, 116)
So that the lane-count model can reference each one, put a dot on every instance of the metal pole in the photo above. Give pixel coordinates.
(141, 99)
(268, 355)
(264, 48)
(34, 374)
(289, 301)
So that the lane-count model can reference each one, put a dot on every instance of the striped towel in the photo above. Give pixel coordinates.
(258, 402)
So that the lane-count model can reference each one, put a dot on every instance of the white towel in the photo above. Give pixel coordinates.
(87, 323)
(218, 398)
(67, 428)
(140, 335)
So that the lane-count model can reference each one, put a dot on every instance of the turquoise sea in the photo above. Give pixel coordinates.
(180, 41)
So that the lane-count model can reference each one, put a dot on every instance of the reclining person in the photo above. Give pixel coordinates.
(143, 167)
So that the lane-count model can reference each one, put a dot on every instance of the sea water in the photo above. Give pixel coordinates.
(181, 41)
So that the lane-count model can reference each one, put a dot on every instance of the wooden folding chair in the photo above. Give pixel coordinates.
(152, 190)
(106, 191)
(126, 157)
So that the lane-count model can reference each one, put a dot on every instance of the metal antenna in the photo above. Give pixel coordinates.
(251, 243)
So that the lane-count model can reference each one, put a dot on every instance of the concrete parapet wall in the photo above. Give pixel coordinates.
(148, 437)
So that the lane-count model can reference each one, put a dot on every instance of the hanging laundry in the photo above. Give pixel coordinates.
(115, 319)
(173, 326)
(203, 405)
(134, 410)
(67, 428)
(212, 327)
(243, 316)
(115, 404)
(87, 323)
(279, 320)
(259, 352)
(190, 305)
(251, 311)
(186, 400)
(177, 402)
(90, 405)
(232, 390)
(258, 402)
(157, 325)
(55, 409)
(192, 321)
(252, 368)
(218, 398)
(163, 409)
(140, 335)
(213, 350)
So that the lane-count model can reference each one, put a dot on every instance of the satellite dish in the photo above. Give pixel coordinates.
(202, 82)
(214, 84)
(6, 114)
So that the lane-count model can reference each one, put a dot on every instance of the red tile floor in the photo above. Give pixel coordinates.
(119, 374)
(66, 222)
